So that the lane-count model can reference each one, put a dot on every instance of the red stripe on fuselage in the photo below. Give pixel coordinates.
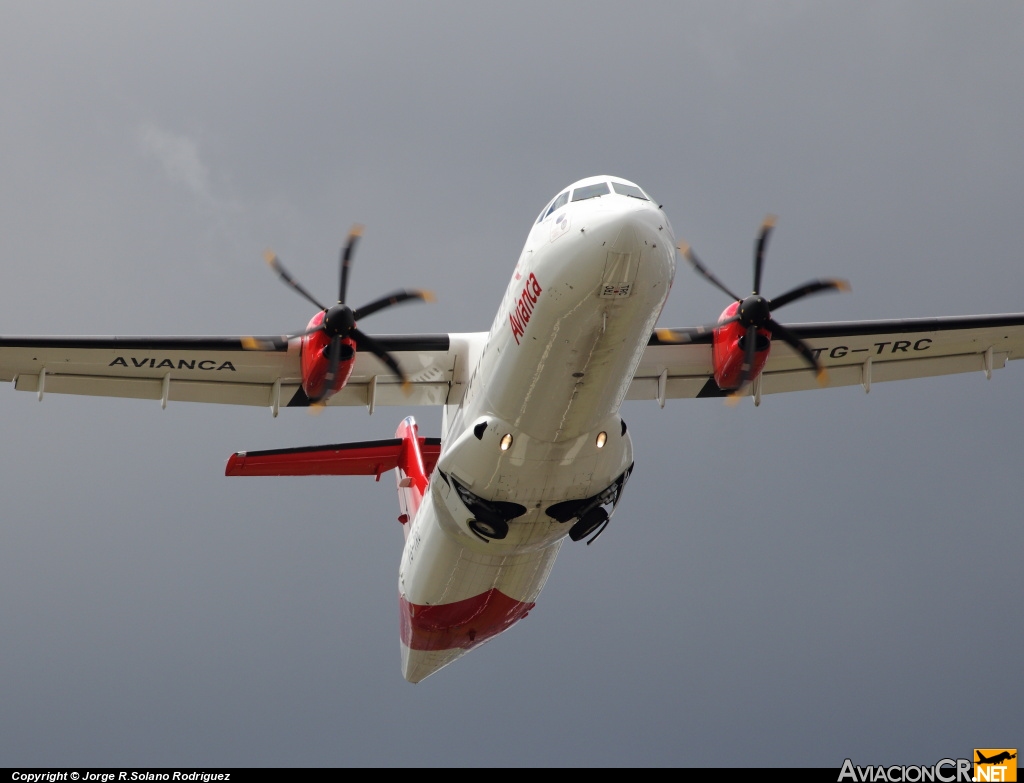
(461, 625)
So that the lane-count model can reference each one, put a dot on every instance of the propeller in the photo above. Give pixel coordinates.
(339, 321)
(755, 311)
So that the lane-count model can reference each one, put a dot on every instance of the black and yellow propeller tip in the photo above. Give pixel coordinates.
(668, 336)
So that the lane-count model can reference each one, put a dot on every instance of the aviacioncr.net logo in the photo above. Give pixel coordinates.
(943, 771)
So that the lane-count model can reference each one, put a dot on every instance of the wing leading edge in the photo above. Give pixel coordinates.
(853, 352)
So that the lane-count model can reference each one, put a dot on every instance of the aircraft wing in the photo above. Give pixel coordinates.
(224, 370)
(853, 352)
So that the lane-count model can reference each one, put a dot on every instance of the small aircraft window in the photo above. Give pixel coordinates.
(558, 202)
(590, 191)
(628, 190)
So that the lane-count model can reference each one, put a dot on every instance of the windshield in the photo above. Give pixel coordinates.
(590, 191)
(629, 190)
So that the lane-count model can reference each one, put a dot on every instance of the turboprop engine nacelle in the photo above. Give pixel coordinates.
(750, 318)
(729, 347)
(316, 361)
(330, 341)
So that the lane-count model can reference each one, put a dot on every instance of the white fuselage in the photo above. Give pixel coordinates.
(544, 393)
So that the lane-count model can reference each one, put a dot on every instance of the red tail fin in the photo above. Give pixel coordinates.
(412, 470)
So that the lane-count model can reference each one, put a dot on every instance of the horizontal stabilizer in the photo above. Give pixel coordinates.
(368, 458)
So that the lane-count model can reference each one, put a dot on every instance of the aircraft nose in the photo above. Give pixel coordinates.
(627, 233)
(630, 241)
(627, 229)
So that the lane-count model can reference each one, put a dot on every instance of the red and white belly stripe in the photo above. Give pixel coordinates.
(454, 597)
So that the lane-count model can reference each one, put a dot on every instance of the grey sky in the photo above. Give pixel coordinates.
(833, 574)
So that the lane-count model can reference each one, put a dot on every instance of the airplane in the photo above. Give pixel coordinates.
(996, 759)
(533, 449)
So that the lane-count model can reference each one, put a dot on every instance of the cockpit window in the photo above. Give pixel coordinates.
(558, 202)
(590, 191)
(629, 190)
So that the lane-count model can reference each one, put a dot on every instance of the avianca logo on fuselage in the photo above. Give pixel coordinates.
(522, 307)
(183, 364)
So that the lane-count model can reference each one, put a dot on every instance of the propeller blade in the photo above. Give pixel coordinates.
(271, 343)
(396, 297)
(310, 331)
(346, 259)
(275, 263)
(689, 335)
(332, 370)
(257, 344)
(762, 245)
(798, 345)
(366, 343)
(812, 287)
(747, 368)
(703, 271)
